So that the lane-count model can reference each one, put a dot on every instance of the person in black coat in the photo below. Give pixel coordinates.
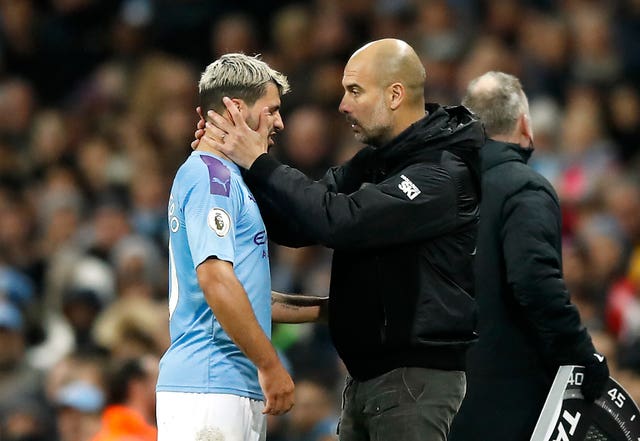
(527, 324)
(402, 219)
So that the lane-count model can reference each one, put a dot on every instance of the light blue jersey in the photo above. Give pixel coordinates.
(212, 213)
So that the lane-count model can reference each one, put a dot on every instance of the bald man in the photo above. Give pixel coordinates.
(528, 326)
(401, 217)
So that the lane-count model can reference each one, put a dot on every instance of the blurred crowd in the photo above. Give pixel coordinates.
(97, 103)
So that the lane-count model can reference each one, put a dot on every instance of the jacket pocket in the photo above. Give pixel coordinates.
(444, 312)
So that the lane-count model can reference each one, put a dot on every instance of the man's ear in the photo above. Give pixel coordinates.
(396, 94)
(526, 130)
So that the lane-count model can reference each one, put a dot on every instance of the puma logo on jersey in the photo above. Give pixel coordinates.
(219, 176)
(408, 188)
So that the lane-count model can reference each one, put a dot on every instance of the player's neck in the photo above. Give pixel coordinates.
(212, 151)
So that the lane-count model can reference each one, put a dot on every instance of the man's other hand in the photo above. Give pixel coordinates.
(596, 374)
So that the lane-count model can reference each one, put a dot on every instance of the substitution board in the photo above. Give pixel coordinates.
(566, 416)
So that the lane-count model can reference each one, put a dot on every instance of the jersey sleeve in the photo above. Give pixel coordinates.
(210, 212)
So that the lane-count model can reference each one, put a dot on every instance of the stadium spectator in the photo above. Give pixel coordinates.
(130, 405)
(18, 378)
(78, 406)
(313, 418)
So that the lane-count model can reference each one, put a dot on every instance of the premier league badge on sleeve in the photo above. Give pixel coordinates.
(567, 417)
(219, 221)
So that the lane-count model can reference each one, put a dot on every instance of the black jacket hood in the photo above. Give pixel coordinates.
(450, 128)
(497, 152)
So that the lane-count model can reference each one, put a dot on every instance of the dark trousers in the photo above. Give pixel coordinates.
(408, 404)
(500, 408)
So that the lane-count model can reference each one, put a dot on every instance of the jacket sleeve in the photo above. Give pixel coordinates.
(531, 237)
(350, 176)
(281, 226)
(371, 216)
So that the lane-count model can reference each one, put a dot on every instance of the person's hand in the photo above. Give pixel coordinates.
(596, 374)
(199, 129)
(234, 137)
(277, 386)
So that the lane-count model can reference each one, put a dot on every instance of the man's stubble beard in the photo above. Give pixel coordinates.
(381, 126)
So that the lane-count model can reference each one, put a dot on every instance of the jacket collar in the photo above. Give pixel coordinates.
(496, 152)
(442, 128)
(413, 137)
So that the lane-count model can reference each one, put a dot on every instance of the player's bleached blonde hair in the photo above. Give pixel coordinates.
(240, 76)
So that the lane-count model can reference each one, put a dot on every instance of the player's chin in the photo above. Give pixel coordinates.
(271, 141)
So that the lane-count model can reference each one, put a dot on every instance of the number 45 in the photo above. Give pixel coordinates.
(617, 397)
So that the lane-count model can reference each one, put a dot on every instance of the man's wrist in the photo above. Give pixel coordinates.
(263, 166)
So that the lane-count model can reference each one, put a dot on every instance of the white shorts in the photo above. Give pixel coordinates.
(184, 416)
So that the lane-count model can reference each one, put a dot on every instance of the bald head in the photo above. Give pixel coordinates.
(384, 90)
(393, 61)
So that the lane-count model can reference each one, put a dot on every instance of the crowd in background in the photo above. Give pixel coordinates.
(97, 103)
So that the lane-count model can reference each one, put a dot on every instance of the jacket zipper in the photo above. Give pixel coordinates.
(383, 330)
(381, 175)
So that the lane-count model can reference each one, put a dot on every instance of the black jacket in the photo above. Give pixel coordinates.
(402, 220)
(527, 325)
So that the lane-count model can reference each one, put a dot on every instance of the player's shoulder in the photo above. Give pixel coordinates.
(205, 164)
(208, 172)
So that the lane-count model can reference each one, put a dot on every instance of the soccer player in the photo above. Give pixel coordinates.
(221, 364)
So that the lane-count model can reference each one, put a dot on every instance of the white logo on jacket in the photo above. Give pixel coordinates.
(408, 188)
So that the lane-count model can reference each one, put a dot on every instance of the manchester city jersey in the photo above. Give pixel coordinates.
(212, 214)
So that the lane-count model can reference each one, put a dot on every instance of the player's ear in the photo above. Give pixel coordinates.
(240, 104)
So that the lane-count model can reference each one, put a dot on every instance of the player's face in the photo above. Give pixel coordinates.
(270, 100)
(364, 104)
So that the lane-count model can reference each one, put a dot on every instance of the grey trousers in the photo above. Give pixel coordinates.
(405, 404)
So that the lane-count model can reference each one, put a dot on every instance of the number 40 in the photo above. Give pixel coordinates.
(617, 397)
